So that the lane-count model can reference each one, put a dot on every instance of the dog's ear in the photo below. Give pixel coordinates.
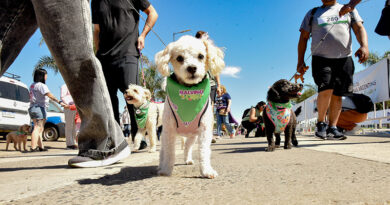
(148, 95)
(273, 95)
(162, 59)
(214, 58)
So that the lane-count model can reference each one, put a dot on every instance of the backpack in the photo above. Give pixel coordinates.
(362, 102)
(245, 112)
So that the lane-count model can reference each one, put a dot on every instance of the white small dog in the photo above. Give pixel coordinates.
(148, 114)
(188, 110)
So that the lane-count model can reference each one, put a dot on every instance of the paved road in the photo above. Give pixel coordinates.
(354, 171)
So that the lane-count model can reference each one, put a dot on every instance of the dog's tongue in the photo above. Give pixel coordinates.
(299, 93)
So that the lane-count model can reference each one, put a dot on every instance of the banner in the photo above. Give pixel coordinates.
(373, 82)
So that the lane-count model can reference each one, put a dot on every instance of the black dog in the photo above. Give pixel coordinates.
(278, 97)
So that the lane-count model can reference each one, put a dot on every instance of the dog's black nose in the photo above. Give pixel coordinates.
(191, 69)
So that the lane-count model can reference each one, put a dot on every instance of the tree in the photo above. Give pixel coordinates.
(152, 79)
(309, 90)
(47, 62)
(375, 58)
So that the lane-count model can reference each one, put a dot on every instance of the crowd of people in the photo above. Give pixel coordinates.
(101, 140)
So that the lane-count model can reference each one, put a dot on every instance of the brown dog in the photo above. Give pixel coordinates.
(18, 137)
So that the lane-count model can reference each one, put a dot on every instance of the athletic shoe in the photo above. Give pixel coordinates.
(43, 149)
(72, 147)
(321, 130)
(335, 134)
(86, 162)
(143, 145)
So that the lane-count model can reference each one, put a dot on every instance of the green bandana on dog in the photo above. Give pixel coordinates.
(279, 114)
(187, 103)
(141, 115)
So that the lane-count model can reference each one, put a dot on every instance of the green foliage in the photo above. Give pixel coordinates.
(47, 62)
(152, 79)
(375, 58)
(309, 90)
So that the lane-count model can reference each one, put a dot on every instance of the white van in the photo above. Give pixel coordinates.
(14, 103)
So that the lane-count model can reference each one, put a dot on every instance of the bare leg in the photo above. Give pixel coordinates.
(334, 110)
(323, 101)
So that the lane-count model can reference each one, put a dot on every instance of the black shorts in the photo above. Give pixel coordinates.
(213, 93)
(336, 74)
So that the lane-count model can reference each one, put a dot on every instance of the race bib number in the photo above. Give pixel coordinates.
(330, 20)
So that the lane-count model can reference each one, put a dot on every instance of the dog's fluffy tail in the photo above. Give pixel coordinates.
(298, 111)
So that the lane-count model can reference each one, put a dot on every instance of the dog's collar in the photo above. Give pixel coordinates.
(141, 114)
(174, 78)
(279, 114)
(187, 103)
(21, 133)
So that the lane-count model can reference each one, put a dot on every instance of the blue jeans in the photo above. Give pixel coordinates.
(225, 120)
(67, 29)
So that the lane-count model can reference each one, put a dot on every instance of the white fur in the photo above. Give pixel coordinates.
(138, 96)
(189, 48)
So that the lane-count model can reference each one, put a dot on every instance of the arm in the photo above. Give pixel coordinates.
(252, 115)
(302, 45)
(349, 7)
(52, 97)
(361, 36)
(150, 21)
(229, 102)
(96, 39)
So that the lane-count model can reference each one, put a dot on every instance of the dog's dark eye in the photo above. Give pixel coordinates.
(200, 56)
(136, 91)
(180, 59)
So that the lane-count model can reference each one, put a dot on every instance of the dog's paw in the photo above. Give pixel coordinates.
(270, 148)
(295, 143)
(209, 173)
(189, 162)
(153, 150)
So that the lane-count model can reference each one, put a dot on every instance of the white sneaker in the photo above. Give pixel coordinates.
(87, 162)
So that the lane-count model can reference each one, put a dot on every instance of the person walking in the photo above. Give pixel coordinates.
(253, 119)
(70, 115)
(223, 104)
(118, 45)
(125, 122)
(39, 102)
(101, 140)
(332, 64)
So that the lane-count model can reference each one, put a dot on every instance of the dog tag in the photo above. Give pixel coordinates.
(138, 111)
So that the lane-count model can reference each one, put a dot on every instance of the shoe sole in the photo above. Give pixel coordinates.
(337, 138)
(321, 137)
(105, 162)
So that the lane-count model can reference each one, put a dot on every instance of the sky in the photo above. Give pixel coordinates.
(260, 39)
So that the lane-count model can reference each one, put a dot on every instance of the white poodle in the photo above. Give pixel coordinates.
(188, 110)
(148, 114)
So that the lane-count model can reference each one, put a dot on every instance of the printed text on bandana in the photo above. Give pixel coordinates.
(191, 94)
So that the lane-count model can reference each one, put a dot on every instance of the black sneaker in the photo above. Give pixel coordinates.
(335, 134)
(143, 145)
(321, 130)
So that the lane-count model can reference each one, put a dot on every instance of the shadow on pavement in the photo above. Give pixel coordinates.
(241, 150)
(32, 168)
(126, 175)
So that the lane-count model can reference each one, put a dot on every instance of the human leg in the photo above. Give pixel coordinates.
(334, 110)
(17, 25)
(128, 70)
(67, 29)
(70, 130)
(225, 120)
(249, 126)
(219, 124)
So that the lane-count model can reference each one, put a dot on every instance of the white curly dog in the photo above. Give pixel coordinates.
(187, 110)
(148, 114)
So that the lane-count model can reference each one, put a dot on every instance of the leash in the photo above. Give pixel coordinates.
(151, 28)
